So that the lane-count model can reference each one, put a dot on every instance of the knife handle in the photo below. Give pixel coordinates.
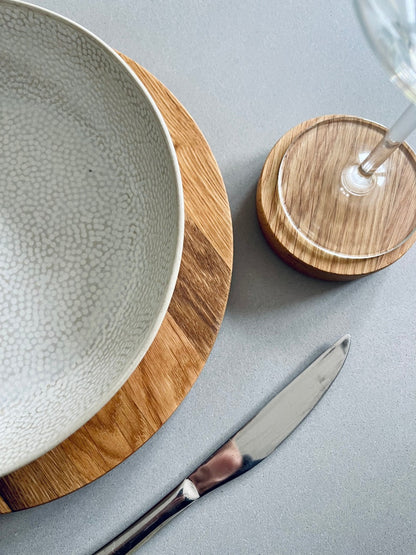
(147, 525)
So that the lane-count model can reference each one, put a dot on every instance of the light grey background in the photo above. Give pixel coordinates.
(345, 481)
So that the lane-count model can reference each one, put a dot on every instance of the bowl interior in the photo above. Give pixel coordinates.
(91, 228)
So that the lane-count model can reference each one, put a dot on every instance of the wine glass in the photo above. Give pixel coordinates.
(357, 192)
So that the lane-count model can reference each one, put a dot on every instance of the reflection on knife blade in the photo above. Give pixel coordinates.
(226, 463)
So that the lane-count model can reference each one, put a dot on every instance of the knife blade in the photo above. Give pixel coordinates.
(244, 450)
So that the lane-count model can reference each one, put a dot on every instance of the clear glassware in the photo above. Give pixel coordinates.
(358, 182)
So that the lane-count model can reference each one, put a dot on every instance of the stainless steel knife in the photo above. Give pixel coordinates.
(249, 446)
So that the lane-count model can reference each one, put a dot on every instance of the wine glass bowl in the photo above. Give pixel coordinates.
(390, 28)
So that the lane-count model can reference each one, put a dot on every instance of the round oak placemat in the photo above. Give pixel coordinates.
(281, 235)
(182, 345)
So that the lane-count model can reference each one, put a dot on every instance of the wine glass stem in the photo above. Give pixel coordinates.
(388, 144)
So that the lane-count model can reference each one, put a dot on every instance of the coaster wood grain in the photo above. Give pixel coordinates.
(290, 245)
(182, 345)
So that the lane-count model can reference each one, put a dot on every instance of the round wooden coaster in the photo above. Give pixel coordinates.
(295, 249)
(181, 348)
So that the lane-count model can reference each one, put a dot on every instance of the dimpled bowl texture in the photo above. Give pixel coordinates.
(91, 228)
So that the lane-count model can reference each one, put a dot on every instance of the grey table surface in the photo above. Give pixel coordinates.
(345, 481)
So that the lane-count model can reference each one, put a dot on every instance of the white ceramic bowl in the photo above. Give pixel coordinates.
(91, 227)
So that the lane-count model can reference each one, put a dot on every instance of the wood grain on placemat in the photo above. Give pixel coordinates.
(181, 348)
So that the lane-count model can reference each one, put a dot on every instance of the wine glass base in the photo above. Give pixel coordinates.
(290, 242)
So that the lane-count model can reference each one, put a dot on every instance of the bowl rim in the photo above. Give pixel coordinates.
(164, 305)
